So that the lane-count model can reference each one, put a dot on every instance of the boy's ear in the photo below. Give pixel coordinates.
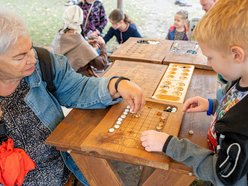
(238, 54)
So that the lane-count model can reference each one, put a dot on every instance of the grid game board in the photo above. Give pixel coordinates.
(142, 49)
(125, 140)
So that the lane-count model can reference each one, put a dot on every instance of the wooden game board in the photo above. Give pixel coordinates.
(146, 75)
(142, 49)
(183, 52)
(174, 85)
(125, 141)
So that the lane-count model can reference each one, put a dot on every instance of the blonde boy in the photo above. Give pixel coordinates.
(223, 37)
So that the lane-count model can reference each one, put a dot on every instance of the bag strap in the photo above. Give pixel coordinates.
(87, 17)
(45, 61)
(3, 132)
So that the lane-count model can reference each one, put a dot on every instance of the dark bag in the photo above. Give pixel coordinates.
(46, 67)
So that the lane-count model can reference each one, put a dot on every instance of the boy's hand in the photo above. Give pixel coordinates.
(153, 140)
(195, 104)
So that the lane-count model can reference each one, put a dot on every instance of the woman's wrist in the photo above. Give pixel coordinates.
(114, 85)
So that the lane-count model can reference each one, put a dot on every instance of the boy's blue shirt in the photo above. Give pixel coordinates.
(72, 90)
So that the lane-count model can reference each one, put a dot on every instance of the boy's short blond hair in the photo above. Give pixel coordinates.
(225, 25)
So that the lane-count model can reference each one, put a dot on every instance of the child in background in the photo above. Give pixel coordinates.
(69, 42)
(179, 31)
(95, 18)
(222, 36)
(122, 27)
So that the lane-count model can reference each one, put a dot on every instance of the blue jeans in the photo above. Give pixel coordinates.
(71, 165)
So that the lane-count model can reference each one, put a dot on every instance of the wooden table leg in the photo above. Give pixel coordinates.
(167, 178)
(96, 170)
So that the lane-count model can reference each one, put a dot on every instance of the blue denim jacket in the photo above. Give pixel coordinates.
(72, 91)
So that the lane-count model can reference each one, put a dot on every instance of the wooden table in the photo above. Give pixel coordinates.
(161, 52)
(75, 128)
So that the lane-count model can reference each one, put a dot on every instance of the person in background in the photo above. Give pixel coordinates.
(69, 42)
(122, 27)
(222, 36)
(207, 4)
(179, 31)
(31, 112)
(95, 18)
(181, 3)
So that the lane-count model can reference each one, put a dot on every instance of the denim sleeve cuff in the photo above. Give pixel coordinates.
(210, 107)
(166, 143)
(105, 96)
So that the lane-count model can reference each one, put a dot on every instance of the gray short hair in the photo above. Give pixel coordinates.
(11, 28)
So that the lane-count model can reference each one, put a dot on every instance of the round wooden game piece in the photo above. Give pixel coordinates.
(128, 107)
(116, 126)
(191, 132)
(118, 122)
(111, 130)
(123, 116)
(174, 109)
(158, 127)
(159, 113)
(161, 124)
(120, 119)
(136, 115)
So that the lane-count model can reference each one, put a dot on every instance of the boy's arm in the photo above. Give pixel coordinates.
(204, 162)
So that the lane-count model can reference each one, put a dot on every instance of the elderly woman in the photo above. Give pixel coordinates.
(31, 113)
(69, 42)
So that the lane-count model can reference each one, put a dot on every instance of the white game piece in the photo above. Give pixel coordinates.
(120, 119)
(127, 110)
(125, 113)
(191, 132)
(118, 122)
(174, 109)
(128, 107)
(116, 126)
(123, 116)
(111, 130)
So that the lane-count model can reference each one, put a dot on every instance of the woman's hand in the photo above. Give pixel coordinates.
(130, 92)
